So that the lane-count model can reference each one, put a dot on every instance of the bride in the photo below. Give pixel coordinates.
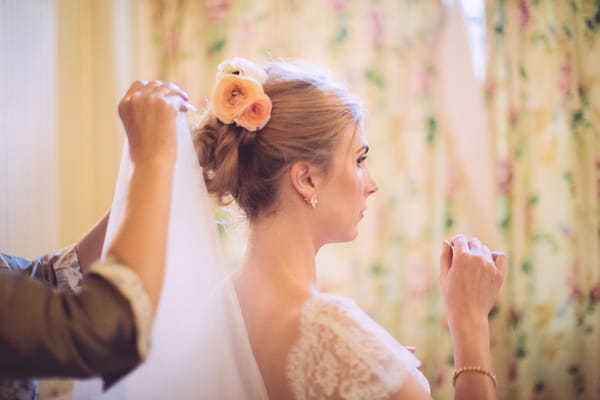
(287, 144)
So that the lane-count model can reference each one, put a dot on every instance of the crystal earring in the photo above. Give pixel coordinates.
(313, 201)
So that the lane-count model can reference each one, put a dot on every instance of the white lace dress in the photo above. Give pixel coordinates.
(342, 353)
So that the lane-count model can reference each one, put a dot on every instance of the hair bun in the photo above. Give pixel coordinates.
(245, 162)
(247, 137)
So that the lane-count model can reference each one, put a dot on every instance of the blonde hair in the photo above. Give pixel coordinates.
(310, 111)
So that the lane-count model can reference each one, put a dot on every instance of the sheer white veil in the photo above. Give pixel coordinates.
(200, 348)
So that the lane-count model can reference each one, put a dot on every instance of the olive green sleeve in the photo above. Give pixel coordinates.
(102, 330)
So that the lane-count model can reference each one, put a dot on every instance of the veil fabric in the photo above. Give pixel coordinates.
(199, 347)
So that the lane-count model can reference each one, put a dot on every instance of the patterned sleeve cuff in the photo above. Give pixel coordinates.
(130, 286)
(67, 270)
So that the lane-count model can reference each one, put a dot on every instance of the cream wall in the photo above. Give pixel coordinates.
(29, 201)
(89, 134)
(64, 65)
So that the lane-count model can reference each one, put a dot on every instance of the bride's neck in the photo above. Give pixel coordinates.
(283, 252)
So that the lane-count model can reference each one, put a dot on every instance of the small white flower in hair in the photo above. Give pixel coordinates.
(242, 67)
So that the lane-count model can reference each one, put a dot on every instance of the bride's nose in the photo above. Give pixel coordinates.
(371, 185)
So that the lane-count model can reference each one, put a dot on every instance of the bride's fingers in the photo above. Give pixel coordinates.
(451, 252)
(487, 254)
(459, 244)
(495, 255)
(445, 257)
(475, 245)
(500, 261)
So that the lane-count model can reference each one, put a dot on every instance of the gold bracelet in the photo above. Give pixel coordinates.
(477, 369)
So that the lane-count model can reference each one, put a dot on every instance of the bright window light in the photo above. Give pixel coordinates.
(474, 16)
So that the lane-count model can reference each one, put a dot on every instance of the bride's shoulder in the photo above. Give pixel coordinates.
(330, 304)
(328, 318)
(339, 314)
(341, 348)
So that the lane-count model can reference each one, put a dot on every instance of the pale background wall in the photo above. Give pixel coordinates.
(61, 73)
(29, 200)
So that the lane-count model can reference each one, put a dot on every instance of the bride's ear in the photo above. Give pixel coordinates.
(304, 178)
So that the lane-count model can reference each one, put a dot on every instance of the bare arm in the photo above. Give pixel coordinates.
(140, 242)
(89, 247)
(471, 341)
(471, 277)
(148, 112)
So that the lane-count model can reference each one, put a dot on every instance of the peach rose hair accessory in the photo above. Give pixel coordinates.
(238, 95)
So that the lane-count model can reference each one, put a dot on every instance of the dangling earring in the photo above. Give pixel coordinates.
(313, 201)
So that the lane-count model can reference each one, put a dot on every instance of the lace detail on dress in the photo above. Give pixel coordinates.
(341, 353)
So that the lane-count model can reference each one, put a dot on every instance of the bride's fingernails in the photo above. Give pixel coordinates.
(411, 349)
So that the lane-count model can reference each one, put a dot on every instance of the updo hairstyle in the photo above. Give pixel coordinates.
(310, 111)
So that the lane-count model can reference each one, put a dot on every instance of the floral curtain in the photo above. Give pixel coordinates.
(543, 93)
(522, 176)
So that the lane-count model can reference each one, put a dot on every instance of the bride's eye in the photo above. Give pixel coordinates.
(361, 160)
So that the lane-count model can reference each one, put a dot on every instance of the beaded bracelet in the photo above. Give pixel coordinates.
(477, 369)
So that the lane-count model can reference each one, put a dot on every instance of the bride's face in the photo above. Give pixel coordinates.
(342, 196)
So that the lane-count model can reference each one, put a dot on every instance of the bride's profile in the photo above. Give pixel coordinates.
(286, 142)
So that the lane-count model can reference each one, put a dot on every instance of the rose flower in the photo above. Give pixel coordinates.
(232, 94)
(256, 115)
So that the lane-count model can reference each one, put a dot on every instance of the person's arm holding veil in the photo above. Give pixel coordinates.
(141, 240)
(103, 329)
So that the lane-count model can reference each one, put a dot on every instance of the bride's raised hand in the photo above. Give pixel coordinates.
(148, 111)
(470, 276)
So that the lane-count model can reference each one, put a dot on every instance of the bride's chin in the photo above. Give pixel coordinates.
(349, 236)
(345, 235)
